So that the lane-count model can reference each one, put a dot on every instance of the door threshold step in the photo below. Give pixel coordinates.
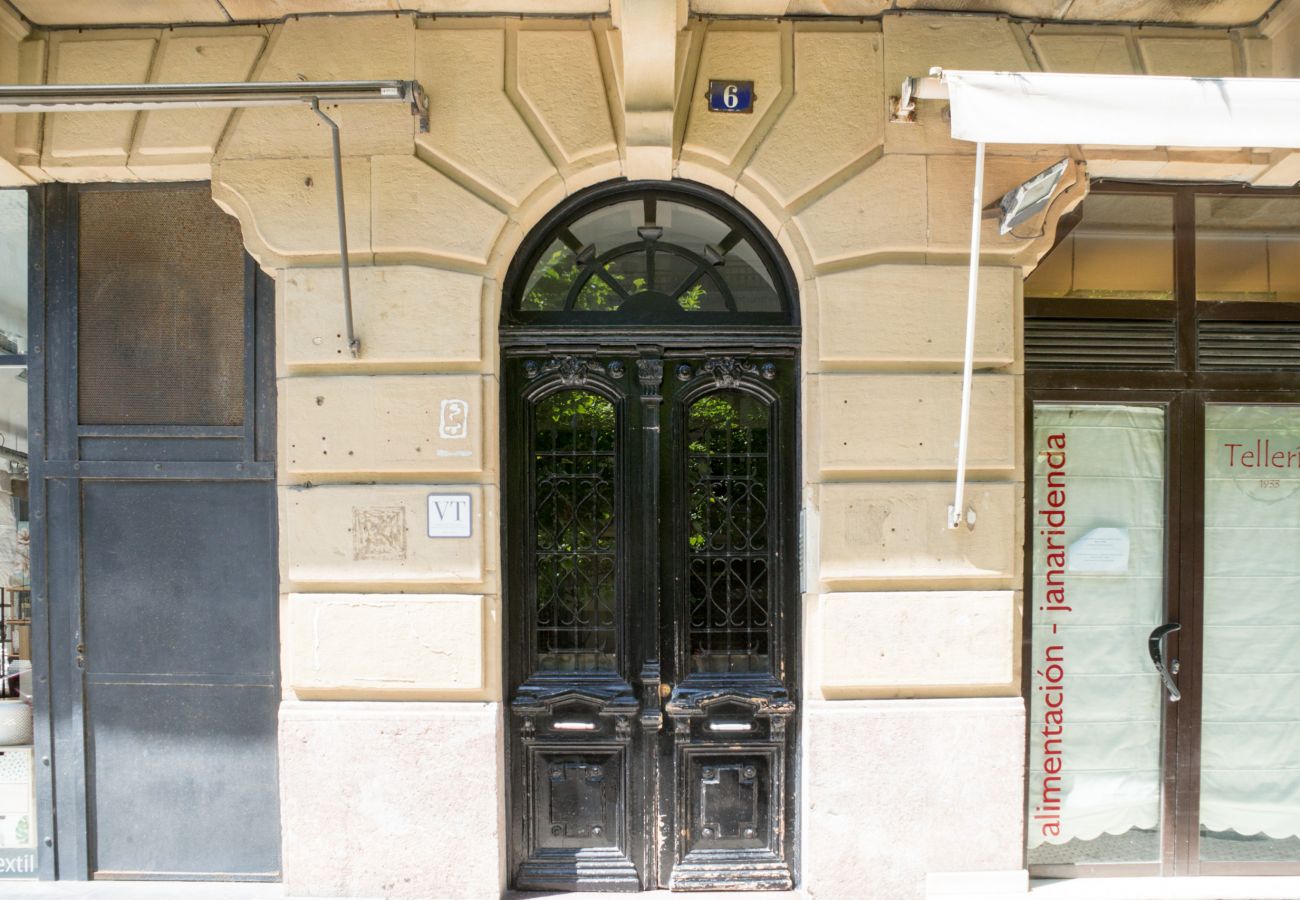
(660, 895)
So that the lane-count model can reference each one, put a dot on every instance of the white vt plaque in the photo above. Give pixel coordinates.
(449, 515)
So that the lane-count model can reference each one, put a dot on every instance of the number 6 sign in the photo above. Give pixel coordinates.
(731, 96)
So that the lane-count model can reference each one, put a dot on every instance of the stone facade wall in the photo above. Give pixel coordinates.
(913, 746)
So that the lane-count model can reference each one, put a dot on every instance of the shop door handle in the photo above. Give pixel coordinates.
(1155, 645)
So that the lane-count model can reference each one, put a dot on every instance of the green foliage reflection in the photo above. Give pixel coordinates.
(553, 278)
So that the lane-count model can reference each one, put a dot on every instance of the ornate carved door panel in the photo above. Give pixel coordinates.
(652, 595)
(649, 377)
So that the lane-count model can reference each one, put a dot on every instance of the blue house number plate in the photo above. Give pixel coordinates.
(731, 96)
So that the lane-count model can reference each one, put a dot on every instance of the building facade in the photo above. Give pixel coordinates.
(617, 556)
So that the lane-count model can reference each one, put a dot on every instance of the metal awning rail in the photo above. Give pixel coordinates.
(21, 98)
(50, 98)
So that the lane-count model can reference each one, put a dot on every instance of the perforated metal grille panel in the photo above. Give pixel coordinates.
(160, 309)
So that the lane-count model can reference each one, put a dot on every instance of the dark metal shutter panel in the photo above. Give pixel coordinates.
(160, 308)
(1229, 346)
(1081, 343)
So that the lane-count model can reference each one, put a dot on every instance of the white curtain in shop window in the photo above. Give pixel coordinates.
(1250, 738)
(1112, 477)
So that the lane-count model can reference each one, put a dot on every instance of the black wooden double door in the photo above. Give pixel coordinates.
(651, 542)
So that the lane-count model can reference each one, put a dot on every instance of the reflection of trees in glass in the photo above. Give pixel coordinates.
(554, 276)
(574, 473)
(727, 446)
(727, 475)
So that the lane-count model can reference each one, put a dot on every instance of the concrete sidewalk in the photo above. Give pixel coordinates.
(142, 890)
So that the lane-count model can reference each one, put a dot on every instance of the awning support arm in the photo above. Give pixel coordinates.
(354, 342)
(18, 98)
(957, 512)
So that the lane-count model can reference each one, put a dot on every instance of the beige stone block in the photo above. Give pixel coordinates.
(758, 55)
(1192, 166)
(330, 49)
(880, 210)
(123, 12)
(12, 176)
(915, 44)
(263, 10)
(382, 424)
(908, 315)
(1098, 54)
(405, 316)
(419, 213)
(918, 643)
(9, 69)
(378, 534)
(96, 135)
(836, 115)
(1237, 13)
(1283, 170)
(475, 130)
(287, 210)
(1104, 163)
(1257, 53)
(191, 60)
(900, 423)
(559, 84)
(366, 787)
(894, 789)
(386, 646)
(31, 70)
(534, 7)
(897, 533)
(1205, 57)
(950, 181)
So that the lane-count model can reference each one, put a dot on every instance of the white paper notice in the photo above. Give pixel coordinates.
(1102, 550)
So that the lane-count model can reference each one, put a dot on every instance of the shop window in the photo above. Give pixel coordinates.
(1248, 248)
(1164, 544)
(18, 823)
(1121, 249)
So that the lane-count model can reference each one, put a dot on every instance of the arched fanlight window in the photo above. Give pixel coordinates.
(649, 253)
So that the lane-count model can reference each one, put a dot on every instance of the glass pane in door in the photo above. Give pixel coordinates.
(728, 555)
(1250, 725)
(575, 532)
(1098, 537)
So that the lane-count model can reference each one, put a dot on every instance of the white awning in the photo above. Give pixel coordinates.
(1123, 110)
(1115, 110)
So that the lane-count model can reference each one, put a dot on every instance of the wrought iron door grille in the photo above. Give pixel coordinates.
(727, 561)
(575, 527)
